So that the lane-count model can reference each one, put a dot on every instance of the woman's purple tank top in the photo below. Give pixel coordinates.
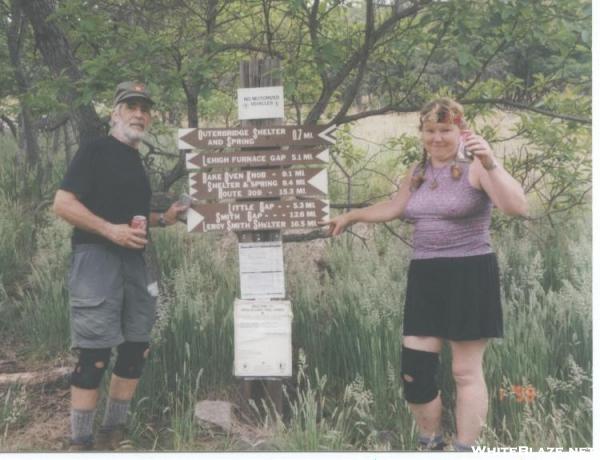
(450, 220)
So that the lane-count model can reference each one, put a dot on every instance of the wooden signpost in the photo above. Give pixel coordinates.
(265, 177)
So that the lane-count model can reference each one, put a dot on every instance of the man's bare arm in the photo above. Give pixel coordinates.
(67, 206)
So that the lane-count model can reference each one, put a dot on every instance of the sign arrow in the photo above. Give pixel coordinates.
(255, 137)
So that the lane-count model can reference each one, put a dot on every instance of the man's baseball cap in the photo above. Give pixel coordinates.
(129, 89)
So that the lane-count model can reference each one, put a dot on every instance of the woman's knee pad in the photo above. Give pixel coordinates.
(131, 359)
(419, 374)
(90, 368)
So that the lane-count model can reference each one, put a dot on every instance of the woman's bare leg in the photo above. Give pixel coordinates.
(471, 390)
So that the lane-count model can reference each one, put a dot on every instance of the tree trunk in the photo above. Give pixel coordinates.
(191, 97)
(67, 142)
(58, 56)
(14, 37)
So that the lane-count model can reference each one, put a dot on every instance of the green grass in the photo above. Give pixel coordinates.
(346, 391)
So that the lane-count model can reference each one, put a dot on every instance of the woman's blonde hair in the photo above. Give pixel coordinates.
(442, 110)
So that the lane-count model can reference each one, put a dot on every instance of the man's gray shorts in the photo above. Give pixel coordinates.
(112, 298)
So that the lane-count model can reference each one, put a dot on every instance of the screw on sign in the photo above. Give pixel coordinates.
(272, 136)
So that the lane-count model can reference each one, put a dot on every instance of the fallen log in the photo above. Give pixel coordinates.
(8, 366)
(35, 378)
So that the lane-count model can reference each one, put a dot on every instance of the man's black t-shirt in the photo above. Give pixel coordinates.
(108, 177)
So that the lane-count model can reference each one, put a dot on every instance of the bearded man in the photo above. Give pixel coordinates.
(112, 298)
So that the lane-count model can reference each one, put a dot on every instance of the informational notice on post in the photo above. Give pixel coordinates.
(262, 338)
(261, 270)
(260, 103)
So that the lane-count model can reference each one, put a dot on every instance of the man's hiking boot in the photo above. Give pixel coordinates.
(68, 445)
(113, 439)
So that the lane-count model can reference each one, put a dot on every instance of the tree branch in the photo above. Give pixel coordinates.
(529, 108)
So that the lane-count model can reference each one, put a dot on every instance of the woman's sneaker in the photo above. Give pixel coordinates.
(113, 439)
(431, 444)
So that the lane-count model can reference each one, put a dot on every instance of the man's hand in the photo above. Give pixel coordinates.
(124, 235)
(173, 212)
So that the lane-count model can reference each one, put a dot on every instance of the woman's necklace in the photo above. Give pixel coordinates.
(434, 182)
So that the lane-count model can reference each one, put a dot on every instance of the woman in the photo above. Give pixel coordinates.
(453, 290)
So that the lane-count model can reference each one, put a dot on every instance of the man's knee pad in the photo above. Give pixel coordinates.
(419, 374)
(90, 368)
(131, 359)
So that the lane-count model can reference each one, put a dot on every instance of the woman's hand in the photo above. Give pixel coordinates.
(338, 224)
(479, 147)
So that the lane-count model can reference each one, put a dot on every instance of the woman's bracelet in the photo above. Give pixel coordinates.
(489, 167)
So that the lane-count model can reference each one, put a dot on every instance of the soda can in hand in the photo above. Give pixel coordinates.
(462, 148)
(139, 222)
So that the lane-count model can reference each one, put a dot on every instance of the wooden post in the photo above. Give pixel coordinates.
(253, 74)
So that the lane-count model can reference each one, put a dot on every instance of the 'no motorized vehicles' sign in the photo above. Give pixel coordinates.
(260, 103)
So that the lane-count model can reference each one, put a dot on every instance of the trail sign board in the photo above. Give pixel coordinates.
(292, 156)
(257, 215)
(258, 183)
(261, 270)
(262, 338)
(255, 137)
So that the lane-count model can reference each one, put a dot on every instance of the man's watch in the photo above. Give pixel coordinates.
(161, 220)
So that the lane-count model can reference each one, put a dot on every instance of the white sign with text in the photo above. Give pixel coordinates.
(262, 338)
(260, 103)
(261, 270)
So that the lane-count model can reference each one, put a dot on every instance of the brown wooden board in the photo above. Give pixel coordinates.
(257, 215)
(271, 136)
(258, 183)
(222, 159)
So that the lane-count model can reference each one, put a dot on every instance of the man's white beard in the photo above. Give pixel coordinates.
(132, 135)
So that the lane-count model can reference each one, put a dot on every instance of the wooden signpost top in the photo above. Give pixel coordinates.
(272, 136)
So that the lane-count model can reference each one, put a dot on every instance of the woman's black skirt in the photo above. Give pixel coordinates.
(456, 298)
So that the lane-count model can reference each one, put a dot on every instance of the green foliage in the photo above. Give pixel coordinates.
(45, 306)
(347, 305)
(193, 333)
(17, 221)
(347, 322)
(13, 410)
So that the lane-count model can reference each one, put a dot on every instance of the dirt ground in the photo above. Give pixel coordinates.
(38, 414)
